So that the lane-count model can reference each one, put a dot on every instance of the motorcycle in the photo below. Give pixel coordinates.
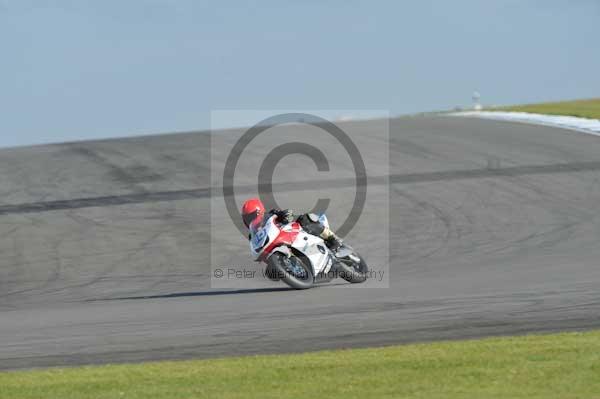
(300, 259)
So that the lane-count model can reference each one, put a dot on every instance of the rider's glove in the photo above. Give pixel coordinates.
(285, 216)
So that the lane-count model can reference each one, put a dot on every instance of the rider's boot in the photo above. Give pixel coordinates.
(332, 241)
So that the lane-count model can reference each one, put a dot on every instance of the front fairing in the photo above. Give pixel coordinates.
(261, 235)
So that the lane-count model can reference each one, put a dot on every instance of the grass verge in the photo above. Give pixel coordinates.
(536, 366)
(582, 108)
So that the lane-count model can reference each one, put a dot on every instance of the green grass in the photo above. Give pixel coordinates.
(543, 366)
(582, 108)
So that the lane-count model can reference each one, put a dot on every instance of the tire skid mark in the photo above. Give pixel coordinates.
(438, 214)
(209, 192)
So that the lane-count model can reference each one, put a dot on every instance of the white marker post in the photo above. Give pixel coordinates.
(476, 103)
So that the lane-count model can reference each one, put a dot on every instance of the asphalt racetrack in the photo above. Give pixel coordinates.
(108, 248)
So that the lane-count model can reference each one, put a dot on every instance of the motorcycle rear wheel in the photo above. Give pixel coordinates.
(352, 271)
(292, 270)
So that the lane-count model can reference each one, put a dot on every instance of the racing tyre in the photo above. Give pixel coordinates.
(292, 270)
(352, 271)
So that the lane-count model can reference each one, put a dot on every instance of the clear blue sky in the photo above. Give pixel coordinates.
(85, 69)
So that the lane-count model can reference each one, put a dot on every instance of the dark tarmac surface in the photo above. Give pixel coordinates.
(105, 247)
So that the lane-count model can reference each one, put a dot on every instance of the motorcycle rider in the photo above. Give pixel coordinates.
(253, 215)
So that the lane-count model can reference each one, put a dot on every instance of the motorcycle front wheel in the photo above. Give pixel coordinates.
(292, 270)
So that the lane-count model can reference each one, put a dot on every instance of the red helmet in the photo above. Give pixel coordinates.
(252, 210)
